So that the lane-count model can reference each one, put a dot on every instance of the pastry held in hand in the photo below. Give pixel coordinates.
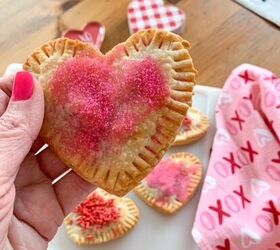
(112, 117)
(100, 218)
(172, 183)
(194, 127)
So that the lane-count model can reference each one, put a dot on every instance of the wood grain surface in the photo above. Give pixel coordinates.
(223, 34)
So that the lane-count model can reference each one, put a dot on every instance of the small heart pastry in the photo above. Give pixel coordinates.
(194, 127)
(172, 183)
(112, 117)
(100, 218)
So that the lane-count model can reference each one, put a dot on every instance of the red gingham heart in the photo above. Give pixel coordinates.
(145, 14)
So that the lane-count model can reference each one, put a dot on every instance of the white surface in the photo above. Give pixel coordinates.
(156, 231)
(269, 9)
(13, 68)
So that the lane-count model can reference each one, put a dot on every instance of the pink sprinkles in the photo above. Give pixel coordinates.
(171, 178)
(105, 103)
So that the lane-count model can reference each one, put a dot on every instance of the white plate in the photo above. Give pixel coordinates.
(156, 231)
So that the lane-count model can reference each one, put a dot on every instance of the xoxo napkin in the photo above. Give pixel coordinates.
(240, 202)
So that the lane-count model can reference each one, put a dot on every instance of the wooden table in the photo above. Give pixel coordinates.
(223, 34)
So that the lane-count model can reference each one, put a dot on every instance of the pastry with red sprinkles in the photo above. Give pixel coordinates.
(172, 183)
(100, 218)
(112, 117)
(194, 127)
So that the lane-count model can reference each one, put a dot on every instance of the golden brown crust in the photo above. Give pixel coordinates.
(147, 194)
(172, 51)
(196, 132)
(129, 218)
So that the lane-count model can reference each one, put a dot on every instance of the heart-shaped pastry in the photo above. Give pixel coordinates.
(112, 117)
(143, 14)
(100, 218)
(93, 33)
(172, 183)
(194, 127)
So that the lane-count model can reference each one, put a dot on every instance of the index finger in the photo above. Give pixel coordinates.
(6, 84)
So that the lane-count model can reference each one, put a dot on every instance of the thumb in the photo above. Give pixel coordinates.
(20, 123)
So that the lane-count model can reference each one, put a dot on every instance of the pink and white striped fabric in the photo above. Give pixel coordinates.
(240, 202)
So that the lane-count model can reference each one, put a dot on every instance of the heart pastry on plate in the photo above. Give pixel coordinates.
(194, 127)
(172, 183)
(100, 218)
(112, 117)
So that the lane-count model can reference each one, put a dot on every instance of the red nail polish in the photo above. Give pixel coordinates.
(23, 86)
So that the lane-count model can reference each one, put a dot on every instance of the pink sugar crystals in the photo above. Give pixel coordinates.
(171, 178)
(147, 80)
(105, 103)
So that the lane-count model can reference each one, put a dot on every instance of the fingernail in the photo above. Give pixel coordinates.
(23, 86)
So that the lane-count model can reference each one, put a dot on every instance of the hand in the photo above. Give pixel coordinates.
(32, 207)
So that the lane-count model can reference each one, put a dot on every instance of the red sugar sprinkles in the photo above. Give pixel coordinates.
(171, 178)
(96, 211)
(105, 102)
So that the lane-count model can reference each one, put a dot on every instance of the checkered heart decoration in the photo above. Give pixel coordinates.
(145, 14)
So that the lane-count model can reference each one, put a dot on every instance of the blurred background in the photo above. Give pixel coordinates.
(223, 33)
